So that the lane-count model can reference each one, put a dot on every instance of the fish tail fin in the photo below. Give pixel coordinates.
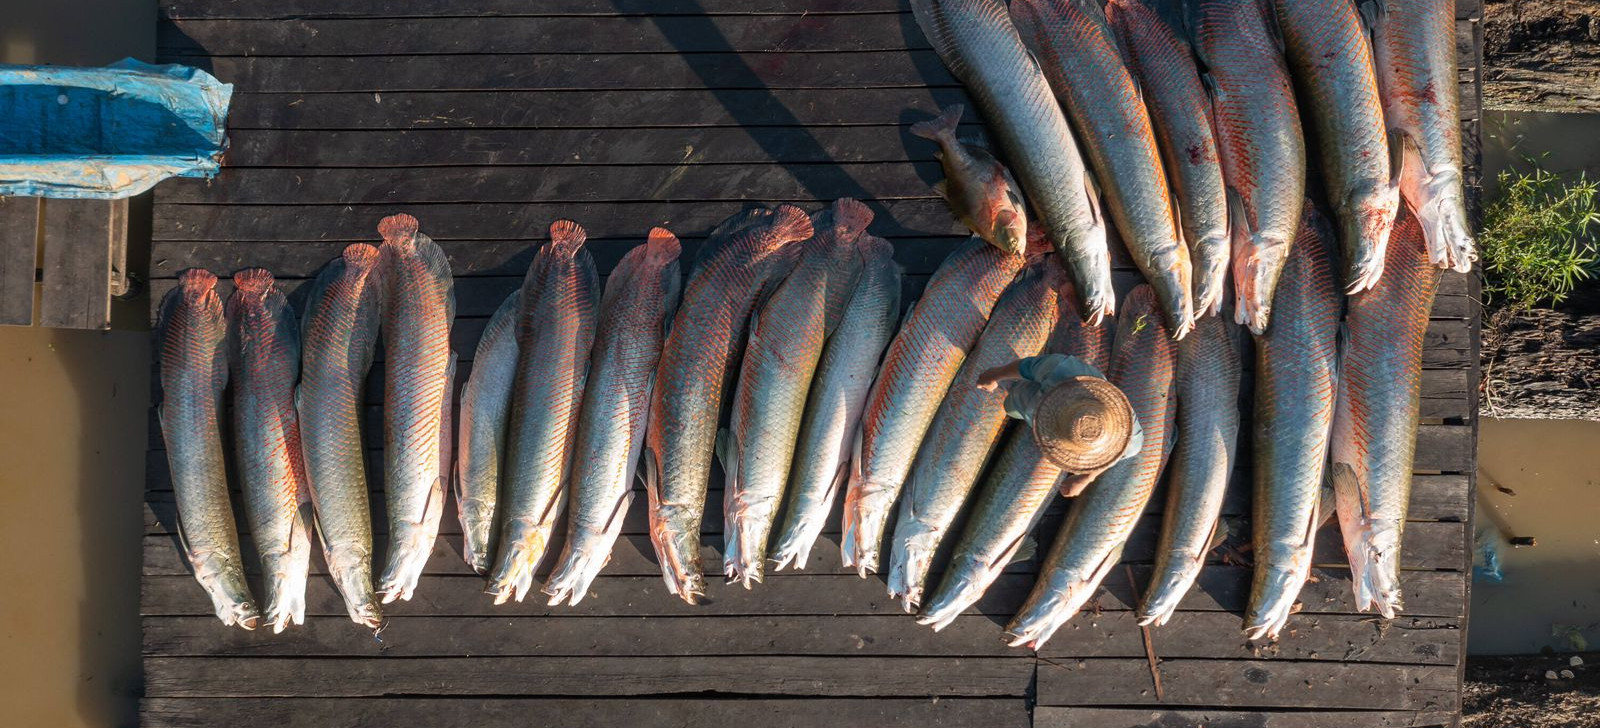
(567, 236)
(850, 218)
(361, 256)
(941, 127)
(663, 247)
(399, 228)
(252, 280)
(792, 223)
(197, 280)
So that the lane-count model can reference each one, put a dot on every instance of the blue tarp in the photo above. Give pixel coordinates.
(106, 133)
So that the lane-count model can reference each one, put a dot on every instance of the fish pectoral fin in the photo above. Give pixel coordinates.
(1238, 217)
(1026, 548)
(1219, 536)
(1346, 487)
(1372, 12)
(1398, 154)
(726, 450)
(1092, 191)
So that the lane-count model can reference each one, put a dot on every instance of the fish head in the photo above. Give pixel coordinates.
(1011, 231)
(1365, 229)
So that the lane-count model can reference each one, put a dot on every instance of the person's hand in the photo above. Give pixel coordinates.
(993, 378)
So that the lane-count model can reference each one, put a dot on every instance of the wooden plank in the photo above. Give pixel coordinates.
(19, 238)
(1250, 683)
(640, 713)
(1343, 638)
(78, 240)
(245, 9)
(617, 34)
(583, 71)
(1159, 717)
(1219, 588)
(119, 247)
(526, 221)
(577, 147)
(577, 676)
(609, 183)
(566, 109)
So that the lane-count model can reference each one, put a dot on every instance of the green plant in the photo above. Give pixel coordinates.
(1536, 243)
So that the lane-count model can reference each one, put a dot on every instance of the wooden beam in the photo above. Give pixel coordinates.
(19, 268)
(79, 237)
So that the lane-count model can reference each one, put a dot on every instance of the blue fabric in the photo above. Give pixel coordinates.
(106, 133)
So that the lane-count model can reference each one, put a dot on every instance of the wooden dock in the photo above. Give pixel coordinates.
(488, 119)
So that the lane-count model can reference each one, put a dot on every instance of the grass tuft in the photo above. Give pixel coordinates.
(1537, 243)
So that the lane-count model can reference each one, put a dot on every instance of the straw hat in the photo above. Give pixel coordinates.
(1083, 424)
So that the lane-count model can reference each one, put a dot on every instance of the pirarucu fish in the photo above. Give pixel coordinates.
(1375, 419)
(1263, 149)
(419, 307)
(555, 334)
(191, 342)
(740, 260)
(264, 364)
(917, 369)
(337, 339)
(1296, 369)
(482, 432)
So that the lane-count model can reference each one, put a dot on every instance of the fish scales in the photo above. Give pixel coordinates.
(555, 334)
(1081, 58)
(640, 296)
(418, 307)
(1329, 51)
(1414, 44)
(338, 336)
(917, 369)
(1090, 542)
(264, 365)
(978, 42)
(1209, 370)
(1375, 418)
(838, 395)
(482, 432)
(739, 261)
(968, 425)
(1295, 375)
(1163, 63)
(191, 343)
(1259, 136)
(787, 336)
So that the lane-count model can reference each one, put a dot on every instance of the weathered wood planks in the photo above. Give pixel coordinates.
(19, 240)
(82, 241)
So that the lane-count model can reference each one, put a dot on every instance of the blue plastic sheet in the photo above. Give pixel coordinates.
(105, 133)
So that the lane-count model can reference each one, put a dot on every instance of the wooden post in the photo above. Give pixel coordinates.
(19, 238)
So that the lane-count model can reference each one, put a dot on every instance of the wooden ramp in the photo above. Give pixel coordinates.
(488, 119)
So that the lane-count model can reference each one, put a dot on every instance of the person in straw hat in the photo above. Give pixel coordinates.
(1080, 421)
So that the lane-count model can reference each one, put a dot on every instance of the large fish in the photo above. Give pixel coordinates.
(639, 298)
(977, 41)
(485, 419)
(1375, 419)
(838, 395)
(419, 308)
(191, 342)
(968, 426)
(1414, 42)
(918, 367)
(1329, 51)
(1103, 516)
(1263, 150)
(1209, 369)
(555, 333)
(978, 188)
(740, 260)
(337, 339)
(1079, 52)
(787, 336)
(1296, 369)
(1163, 63)
(264, 364)
(1019, 486)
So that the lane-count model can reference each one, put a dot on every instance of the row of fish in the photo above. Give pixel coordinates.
(1205, 171)
(297, 392)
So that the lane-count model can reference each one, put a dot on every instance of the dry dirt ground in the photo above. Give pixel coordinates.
(1541, 55)
(1542, 364)
(1513, 692)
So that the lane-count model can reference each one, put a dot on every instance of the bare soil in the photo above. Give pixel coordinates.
(1513, 692)
(1542, 364)
(1541, 55)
